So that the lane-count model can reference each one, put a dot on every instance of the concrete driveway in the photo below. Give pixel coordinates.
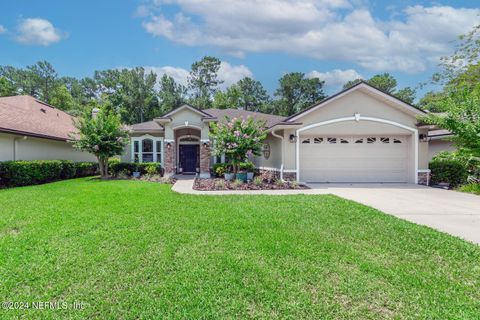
(453, 212)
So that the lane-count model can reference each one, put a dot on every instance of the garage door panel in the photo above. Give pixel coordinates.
(354, 162)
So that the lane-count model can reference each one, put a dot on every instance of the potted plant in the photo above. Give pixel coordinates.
(249, 167)
(229, 175)
(136, 173)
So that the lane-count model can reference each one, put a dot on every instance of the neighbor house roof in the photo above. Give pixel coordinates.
(220, 114)
(28, 116)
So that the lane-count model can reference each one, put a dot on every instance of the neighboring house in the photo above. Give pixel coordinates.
(33, 130)
(439, 140)
(358, 135)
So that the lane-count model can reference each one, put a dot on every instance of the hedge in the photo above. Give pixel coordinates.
(449, 171)
(115, 167)
(24, 173)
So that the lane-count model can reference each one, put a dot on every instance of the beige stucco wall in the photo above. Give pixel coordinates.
(39, 149)
(367, 106)
(275, 159)
(437, 146)
(178, 121)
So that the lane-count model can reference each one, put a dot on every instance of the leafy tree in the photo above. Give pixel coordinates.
(6, 87)
(253, 96)
(297, 92)
(231, 98)
(23, 80)
(351, 83)
(138, 97)
(385, 82)
(131, 92)
(62, 99)
(237, 139)
(462, 68)
(102, 135)
(171, 95)
(45, 77)
(432, 101)
(462, 118)
(203, 81)
(406, 94)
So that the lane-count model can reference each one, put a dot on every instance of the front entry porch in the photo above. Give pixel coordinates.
(187, 154)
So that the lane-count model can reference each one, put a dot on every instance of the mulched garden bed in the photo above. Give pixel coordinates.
(221, 184)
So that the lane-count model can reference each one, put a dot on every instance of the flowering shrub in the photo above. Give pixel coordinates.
(238, 139)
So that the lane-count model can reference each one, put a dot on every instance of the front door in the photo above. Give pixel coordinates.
(189, 157)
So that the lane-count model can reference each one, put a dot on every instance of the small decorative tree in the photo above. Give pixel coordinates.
(238, 139)
(101, 134)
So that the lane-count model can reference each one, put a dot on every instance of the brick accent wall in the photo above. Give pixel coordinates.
(290, 176)
(169, 158)
(205, 154)
(424, 178)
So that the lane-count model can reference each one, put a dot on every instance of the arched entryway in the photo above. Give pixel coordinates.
(188, 151)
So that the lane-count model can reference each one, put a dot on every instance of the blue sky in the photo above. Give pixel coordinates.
(334, 39)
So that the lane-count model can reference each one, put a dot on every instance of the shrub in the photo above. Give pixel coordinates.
(152, 168)
(449, 171)
(24, 173)
(219, 169)
(471, 188)
(258, 181)
(279, 183)
(220, 184)
(247, 166)
(237, 183)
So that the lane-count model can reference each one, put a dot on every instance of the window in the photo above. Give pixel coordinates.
(136, 150)
(159, 151)
(396, 141)
(332, 140)
(147, 149)
(306, 140)
(317, 140)
(344, 141)
(385, 140)
(359, 140)
(371, 140)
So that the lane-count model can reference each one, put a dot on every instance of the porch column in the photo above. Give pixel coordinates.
(169, 166)
(205, 159)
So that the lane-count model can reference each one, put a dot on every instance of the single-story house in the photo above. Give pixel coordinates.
(360, 134)
(33, 130)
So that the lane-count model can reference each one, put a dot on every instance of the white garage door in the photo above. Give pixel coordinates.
(354, 159)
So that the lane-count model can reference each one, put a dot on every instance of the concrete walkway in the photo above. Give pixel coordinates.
(452, 212)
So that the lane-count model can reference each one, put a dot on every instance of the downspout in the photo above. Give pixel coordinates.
(281, 165)
(15, 146)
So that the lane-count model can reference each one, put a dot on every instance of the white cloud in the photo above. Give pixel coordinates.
(335, 78)
(37, 31)
(2, 29)
(228, 73)
(180, 75)
(232, 74)
(316, 28)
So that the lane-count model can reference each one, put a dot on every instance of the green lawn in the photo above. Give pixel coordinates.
(136, 250)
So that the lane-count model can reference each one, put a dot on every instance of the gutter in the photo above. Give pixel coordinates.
(281, 166)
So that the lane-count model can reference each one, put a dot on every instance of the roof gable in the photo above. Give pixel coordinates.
(365, 88)
(183, 107)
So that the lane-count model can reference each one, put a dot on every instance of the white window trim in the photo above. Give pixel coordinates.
(155, 151)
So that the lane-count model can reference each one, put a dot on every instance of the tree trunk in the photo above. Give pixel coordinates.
(100, 166)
